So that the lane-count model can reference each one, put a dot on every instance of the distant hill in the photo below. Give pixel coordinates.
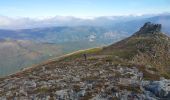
(18, 54)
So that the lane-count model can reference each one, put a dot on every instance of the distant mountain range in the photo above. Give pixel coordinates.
(65, 34)
(102, 29)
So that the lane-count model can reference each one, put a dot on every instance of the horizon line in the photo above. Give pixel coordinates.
(85, 17)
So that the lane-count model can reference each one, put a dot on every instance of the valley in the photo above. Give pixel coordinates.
(15, 55)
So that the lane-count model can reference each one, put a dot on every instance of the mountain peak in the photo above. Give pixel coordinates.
(149, 28)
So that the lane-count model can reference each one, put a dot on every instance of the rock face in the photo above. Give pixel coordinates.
(149, 28)
(160, 88)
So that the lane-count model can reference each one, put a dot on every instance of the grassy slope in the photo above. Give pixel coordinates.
(92, 55)
(148, 52)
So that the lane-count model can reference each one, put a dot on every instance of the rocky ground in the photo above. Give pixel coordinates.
(96, 78)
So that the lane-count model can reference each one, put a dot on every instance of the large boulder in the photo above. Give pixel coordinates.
(160, 88)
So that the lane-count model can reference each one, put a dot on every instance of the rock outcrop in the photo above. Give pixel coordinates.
(149, 29)
(160, 88)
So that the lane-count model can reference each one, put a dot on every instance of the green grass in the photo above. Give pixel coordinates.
(79, 54)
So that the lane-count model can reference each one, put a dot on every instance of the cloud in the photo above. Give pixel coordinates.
(15, 23)
(5, 21)
(20, 23)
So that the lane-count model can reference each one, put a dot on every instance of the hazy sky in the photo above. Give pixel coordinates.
(81, 8)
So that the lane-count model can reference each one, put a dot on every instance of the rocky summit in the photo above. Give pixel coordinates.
(150, 28)
(135, 68)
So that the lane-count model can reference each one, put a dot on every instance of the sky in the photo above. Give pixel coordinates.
(81, 8)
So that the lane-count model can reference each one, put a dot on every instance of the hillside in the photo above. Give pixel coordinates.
(148, 47)
(131, 69)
